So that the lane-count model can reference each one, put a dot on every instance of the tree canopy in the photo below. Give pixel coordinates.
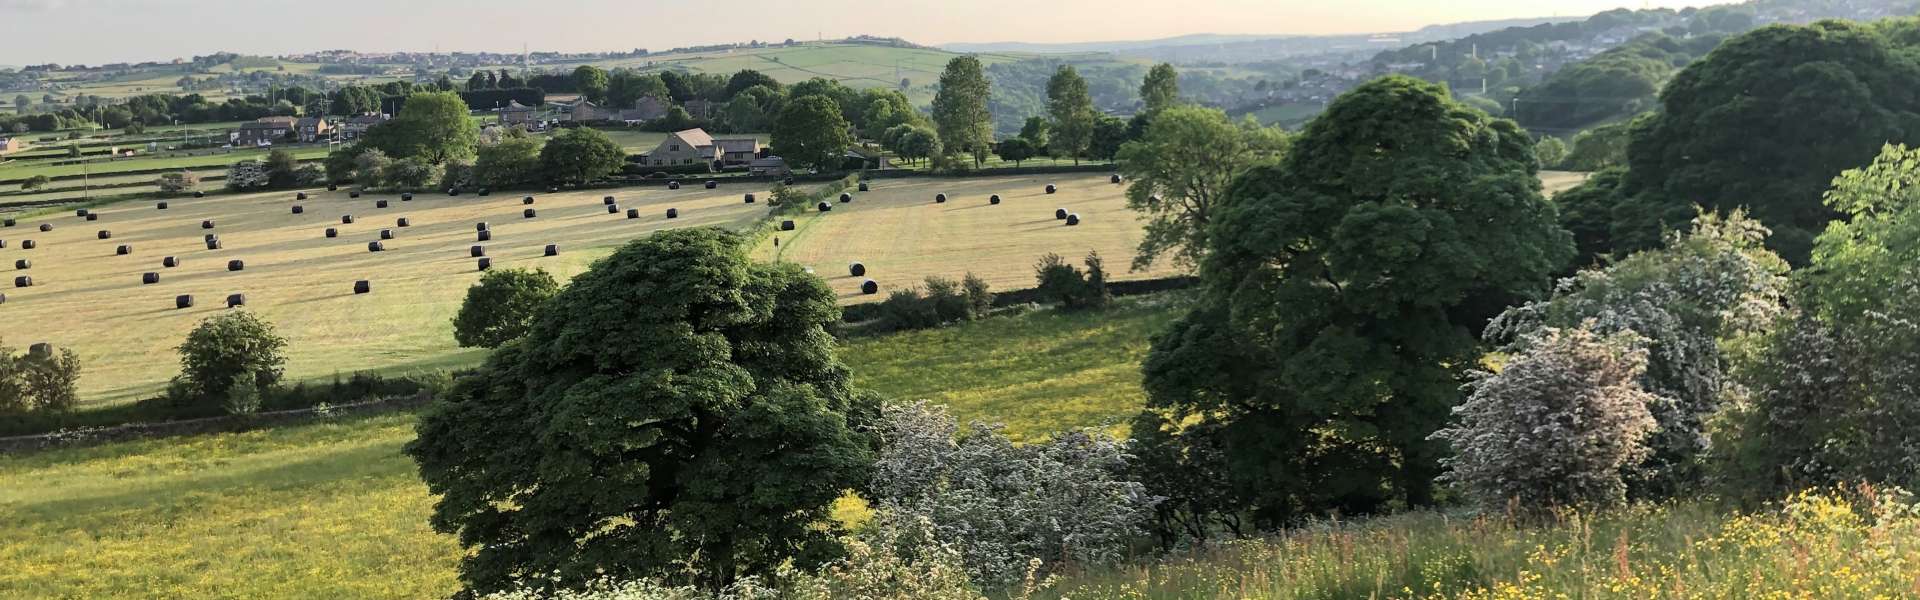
(676, 413)
(1071, 108)
(581, 155)
(960, 111)
(811, 133)
(1161, 88)
(1343, 294)
(433, 126)
(1180, 169)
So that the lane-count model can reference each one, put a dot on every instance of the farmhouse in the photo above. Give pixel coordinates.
(358, 124)
(647, 108)
(8, 144)
(695, 146)
(769, 166)
(699, 109)
(313, 128)
(262, 132)
(585, 110)
(516, 113)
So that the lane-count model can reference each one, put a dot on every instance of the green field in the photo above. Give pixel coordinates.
(1285, 113)
(19, 171)
(332, 510)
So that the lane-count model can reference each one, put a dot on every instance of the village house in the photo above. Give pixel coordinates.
(699, 109)
(585, 110)
(8, 144)
(358, 125)
(773, 166)
(263, 132)
(515, 113)
(645, 109)
(695, 146)
(313, 129)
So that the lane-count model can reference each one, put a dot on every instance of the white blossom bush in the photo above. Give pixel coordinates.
(246, 175)
(1556, 426)
(412, 173)
(1708, 288)
(1064, 501)
(309, 176)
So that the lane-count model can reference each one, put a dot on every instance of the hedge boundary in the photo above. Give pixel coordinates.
(29, 443)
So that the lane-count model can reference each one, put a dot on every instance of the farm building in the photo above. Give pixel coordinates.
(313, 128)
(515, 113)
(8, 144)
(647, 108)
(694, 146)
(262, 132)
(359, 124)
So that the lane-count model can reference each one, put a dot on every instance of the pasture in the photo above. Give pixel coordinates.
(333, 510)
(169, 161)
(903, 236)
(87, 298)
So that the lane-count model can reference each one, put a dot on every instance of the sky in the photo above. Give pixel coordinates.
(108, 31)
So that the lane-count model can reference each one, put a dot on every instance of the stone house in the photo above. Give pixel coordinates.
(313, 129)
(358, 125)
(263, 132)
(515, 113)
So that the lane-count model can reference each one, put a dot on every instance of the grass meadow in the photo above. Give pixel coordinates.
(332, 510)
(16, 173)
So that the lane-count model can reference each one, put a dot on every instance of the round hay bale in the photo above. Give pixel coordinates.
(857, 269)
(453, 191)
(28, 245)
(206, 224)
(93, 216)
(527, 200)
(749, 198)
(673, 213)
(331, 232)
(9, 222)
(303, 195)
(786, 225)
(170, 262)
(46, 227)
(214, 245)
(149, 278)
(1073, 219)
(199, 194)
(1116, 178)
(712, 184)
(297, 209)
(869, 287)
(994, 199)
(23, 281)
(162, 206)
(486, 263)
(407, 197)
(353, 194)
(23, 264)
(333, 188)
(183, 301)
(825, 206)
(673, 185)
(362, 286)
(346, 219)
(3, 298)
(236, 300)
(528, 213)
(386, 234)
(477, 251)
(104, 234)
(403, 222)
(376, 247)
(486, 192)
(1051, 189)
(553, 250)
(788, 180)
(633, 213)
(486, 236)
(613, 209)
(1059, 213)
(846, 197)
(940, 197)
(123, 250)
(211, 237)
(379, 204)
(607, 200)
(236, 265)
(863, 186)
(3, 243)
(40, 349)
(481, 226)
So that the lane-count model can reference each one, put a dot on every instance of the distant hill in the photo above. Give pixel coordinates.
(1223, 46)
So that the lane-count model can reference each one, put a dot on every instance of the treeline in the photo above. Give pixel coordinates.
(1443, 61)
(1619, 82)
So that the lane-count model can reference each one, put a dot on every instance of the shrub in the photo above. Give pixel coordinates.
(46, 383)
(907, 309)
(309, 176)
(225, 348)
(35, 182)
(945, 301)
(1556, 426)
(371, 166)
(456, 174)
(500, 307)
(1071, 288)
(173, 183)
(414, 172)
(1063, 501)
(246, 175)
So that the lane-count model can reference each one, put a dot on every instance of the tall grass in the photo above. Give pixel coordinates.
(1814, 546)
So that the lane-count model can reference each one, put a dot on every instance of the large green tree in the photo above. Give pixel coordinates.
(1343, 295)
(1179, 172)
(1161, 88)
(513, 160)
(499, 309)
(747, 78)
(1071, 108)
(960, 110)
(811, 133)
(676, 412)
(592, 83)
(433, 126)
(581, 155)
(1766, 121)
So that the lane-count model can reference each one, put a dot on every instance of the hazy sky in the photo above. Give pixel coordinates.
(104, 31)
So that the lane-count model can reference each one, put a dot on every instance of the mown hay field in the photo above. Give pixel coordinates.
(87, 298)
(902, 235)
